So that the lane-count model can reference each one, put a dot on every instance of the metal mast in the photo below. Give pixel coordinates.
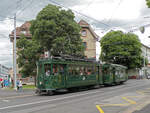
(14, 65)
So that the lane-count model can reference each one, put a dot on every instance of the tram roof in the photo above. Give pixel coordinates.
(67, 60)
(115, 65)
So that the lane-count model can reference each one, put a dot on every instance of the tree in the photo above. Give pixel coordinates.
(28, 53)
(56, 30)
(121, 48)
(148, 3)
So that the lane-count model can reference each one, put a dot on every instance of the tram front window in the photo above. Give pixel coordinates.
(47, 68)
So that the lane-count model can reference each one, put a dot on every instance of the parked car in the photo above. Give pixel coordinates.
(148, 76)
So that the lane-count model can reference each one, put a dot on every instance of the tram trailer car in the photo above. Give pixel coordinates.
(114, 74)
(55, 74)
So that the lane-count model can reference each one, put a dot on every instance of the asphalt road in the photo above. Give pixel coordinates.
(131, 97)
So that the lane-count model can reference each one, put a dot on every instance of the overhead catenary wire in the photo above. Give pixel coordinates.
(30, 3)
(87, 5)
(58, 4)
(6, 54)
(114, 11)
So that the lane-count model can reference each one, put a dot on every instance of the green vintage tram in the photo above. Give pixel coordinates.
(66, 73)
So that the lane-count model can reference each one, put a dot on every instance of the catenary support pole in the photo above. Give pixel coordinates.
(14, 60)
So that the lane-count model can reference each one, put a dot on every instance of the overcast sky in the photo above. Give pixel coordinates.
(101, 14)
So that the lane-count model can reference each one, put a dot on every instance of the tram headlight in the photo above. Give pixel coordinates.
(40, 83)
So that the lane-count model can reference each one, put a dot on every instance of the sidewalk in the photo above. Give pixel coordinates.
(11, 92)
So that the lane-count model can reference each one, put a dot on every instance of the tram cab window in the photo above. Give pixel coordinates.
(39, 69)
(117, 72)
(47, 68)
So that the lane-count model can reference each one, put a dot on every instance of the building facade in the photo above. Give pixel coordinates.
(89, 38)
(23, 29)
(145, 70)
(146, 54)
(4, 71)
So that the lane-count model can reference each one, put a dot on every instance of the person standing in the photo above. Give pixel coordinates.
(2, 84)
(20, 85)
(17, 85)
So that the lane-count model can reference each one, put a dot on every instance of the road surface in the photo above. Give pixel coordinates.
(131, 97)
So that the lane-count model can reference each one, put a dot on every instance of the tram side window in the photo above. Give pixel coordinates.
(85, 71)
(94, 71)
(61, 69)
(55, 69)
(122, 73)
(70, 70)
(89, 71)
(77, 70)
(47, 68)
(73, 70)
(81, 70)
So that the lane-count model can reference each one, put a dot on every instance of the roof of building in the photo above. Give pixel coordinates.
(145, 46)
(19, 30)
(84, 24)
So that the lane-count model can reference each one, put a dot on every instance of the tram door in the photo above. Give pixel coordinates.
(100, 74)
(47, 75)
(40, 77)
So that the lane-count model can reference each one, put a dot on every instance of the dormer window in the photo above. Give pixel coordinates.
(23, 32)
(83, 32)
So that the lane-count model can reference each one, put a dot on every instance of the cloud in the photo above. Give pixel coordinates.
(144, 37)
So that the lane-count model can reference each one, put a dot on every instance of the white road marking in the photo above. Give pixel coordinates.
(6, 100)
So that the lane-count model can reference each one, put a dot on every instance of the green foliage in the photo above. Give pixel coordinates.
(29, 52)
(28, 86)
(56, 30)
(148, 3)
(146, 61)
(121, 48)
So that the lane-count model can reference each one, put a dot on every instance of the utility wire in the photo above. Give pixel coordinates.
(114, 11)
(25, 7)
(88, 5)
(6, 54)
(78, 13)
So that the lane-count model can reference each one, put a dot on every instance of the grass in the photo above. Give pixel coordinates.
(28, 86)
(24, 87)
